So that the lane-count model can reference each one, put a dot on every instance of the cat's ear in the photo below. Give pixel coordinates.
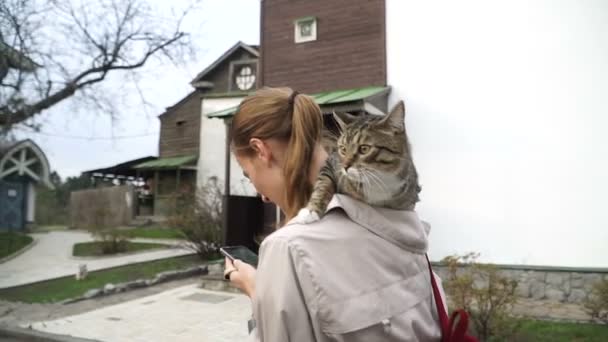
(342, 119)
(396, 118)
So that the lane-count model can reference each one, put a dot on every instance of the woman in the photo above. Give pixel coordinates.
(359, 274)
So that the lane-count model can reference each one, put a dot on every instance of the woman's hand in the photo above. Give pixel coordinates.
(241, 275)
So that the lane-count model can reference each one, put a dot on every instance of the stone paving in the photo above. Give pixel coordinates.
(186, 313)
(51, 257)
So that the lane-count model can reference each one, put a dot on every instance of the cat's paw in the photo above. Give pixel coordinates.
(306, 216)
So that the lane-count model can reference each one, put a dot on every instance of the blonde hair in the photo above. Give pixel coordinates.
(289, 117)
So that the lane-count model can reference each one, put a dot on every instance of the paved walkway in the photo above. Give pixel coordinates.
(51, 257)
(187, 313)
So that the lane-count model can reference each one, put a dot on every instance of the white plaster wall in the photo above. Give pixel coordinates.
(31, 202)
(211, 161)
(507, 107)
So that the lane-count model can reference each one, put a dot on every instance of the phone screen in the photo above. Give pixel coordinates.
(240, 252)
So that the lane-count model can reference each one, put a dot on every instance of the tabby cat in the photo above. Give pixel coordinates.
(371, 162)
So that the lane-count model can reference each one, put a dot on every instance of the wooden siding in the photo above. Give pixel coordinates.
(181, 139)
(350, 50)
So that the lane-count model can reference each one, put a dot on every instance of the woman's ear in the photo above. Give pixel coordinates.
(261, 150)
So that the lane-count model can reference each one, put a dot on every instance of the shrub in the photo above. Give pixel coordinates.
(597, 302)
(484, 293)
(112, 239)
(198, 216)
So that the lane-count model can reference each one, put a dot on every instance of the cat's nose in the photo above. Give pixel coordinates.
(347, 165)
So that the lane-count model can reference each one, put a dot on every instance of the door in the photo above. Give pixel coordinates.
(11, 206)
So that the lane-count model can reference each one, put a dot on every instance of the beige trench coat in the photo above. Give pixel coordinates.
(359, 274)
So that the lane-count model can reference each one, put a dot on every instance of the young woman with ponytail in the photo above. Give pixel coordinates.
(347, 277)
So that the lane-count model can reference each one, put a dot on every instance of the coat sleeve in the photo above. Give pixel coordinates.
(281, 303)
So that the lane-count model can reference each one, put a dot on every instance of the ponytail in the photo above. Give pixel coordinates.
(306, 125)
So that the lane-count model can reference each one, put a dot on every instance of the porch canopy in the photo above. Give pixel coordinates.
(123, 170)
(181, 162)
(169, 176)
(371, 100)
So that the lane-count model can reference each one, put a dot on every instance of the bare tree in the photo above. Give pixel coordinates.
(51, 50)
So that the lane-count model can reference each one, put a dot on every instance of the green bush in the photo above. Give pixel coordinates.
(486, 295)
(597, 302)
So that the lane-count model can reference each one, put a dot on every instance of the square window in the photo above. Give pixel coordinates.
(305, 29)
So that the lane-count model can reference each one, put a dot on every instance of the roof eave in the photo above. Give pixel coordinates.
(223, 57)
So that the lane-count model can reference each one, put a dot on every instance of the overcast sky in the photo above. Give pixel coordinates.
(76, 142)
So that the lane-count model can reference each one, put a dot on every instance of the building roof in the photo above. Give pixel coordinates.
(253, 49)
(24, 158)
(180, 102)
(328, 98)
(124, 169)
(167, 163)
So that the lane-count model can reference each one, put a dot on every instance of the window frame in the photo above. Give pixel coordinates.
(298, 38)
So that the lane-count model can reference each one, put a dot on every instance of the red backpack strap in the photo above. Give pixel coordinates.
(459, 332)
(441, 311)
(449, 332)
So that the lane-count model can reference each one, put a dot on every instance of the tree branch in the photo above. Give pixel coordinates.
(122, 37)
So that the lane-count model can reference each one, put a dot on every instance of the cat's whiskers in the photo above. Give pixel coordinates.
(377, 180)
(367, 184)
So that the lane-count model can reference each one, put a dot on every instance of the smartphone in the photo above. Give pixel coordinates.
(241, 253)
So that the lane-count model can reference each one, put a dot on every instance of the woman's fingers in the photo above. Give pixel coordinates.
(228, 264)
(243, 277)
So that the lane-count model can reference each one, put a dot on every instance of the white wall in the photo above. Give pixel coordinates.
(31, 202)
(507, 102)
(211, 161)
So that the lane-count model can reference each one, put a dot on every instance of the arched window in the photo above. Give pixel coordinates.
(245, 79)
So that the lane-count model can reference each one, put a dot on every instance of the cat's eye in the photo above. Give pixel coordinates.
(363, 149)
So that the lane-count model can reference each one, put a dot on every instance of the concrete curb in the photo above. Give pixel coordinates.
(117, 255)
(161, 277)
(29, 335)
(21, 251)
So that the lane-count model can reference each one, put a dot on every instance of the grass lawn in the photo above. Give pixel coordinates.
(153, 233)
(94, 248)
(69, 287)
(12, 242)
(562, 332)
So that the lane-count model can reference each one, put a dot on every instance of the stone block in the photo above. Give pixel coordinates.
(136, 284)
(537, 290)
(153, 281)
(576, 280)
(92, 293)
(577, 296)
(555, 294)
(109, 288)
(556, 278)
(517, 275)
(589, 280)
(523, 289)
(536, 275)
